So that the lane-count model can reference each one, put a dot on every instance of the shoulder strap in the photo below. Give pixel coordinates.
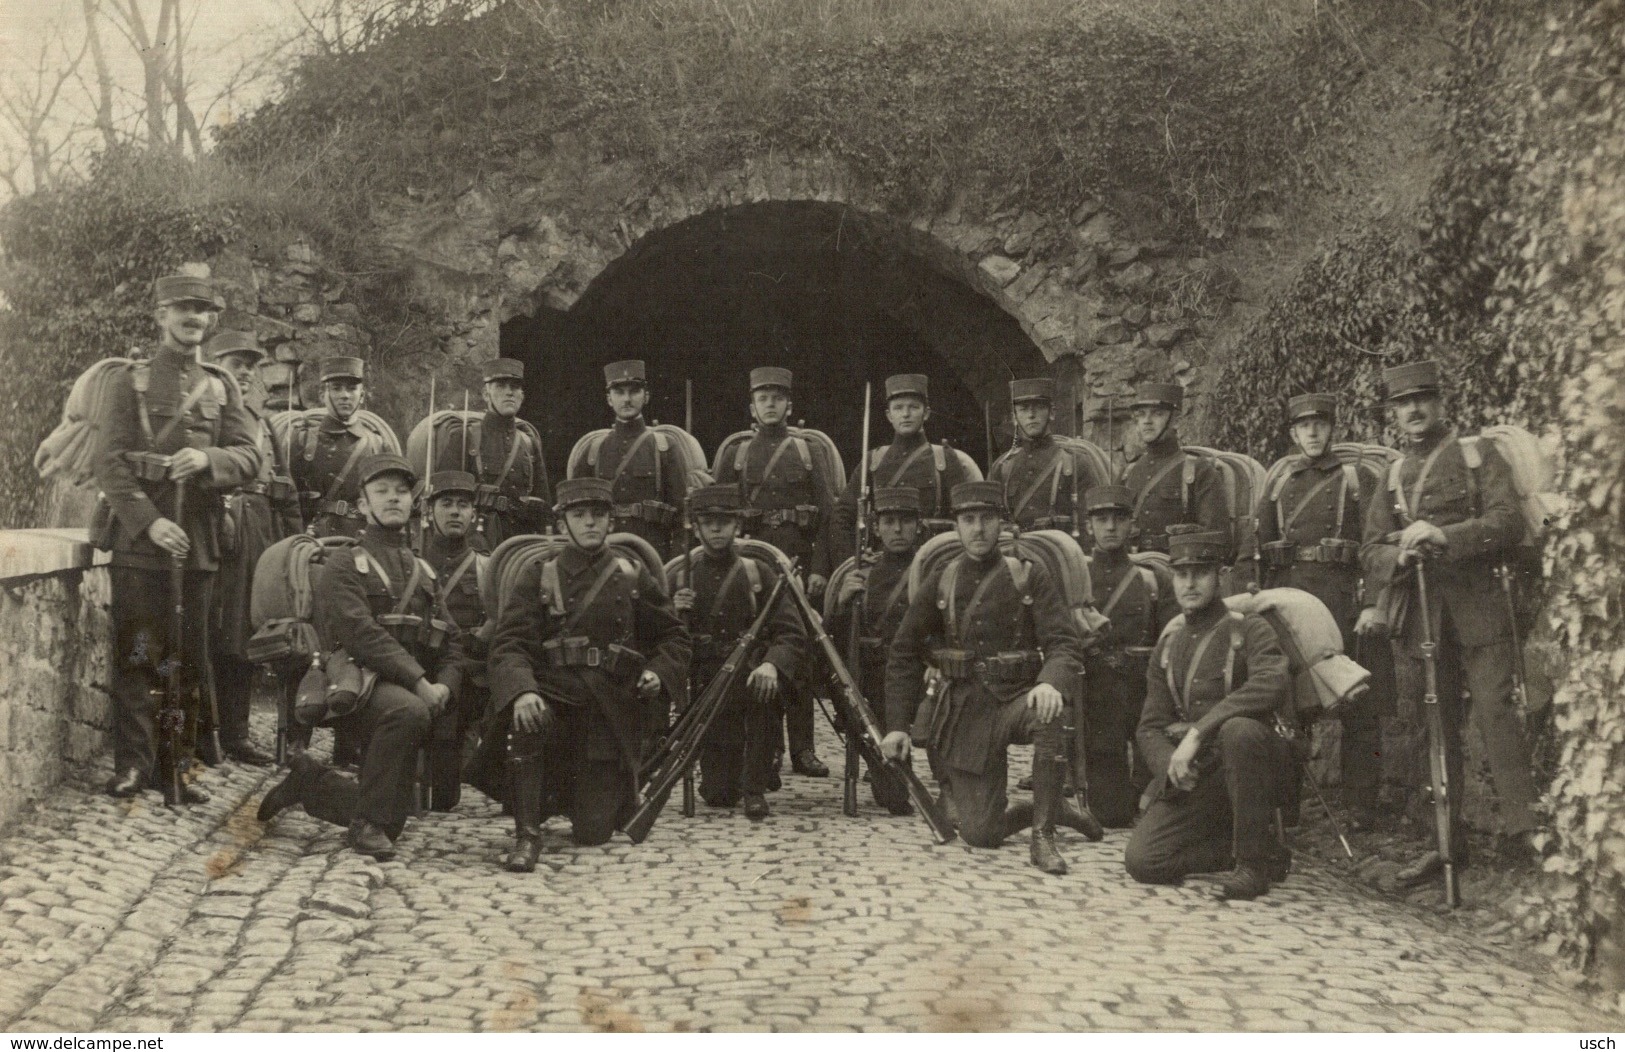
(804, 451)
(594, 444)
(945, 599)
(513, 454)
(1189, 483)
(1051, 470)
(310, 437)
(1236, 641)
(1120, 591)
(451, 582)
(1314, 491)
(1421, 481)
(1350, 490)
(772, 462)
(1182, 697)
(1020, 575)
(615, 565)
(1397, 489)
(1474, 458)
(631, 455)
(891, 600)
(1151, 487)
(356, 453)
(747, 567)
(552, 591)
(192, 398)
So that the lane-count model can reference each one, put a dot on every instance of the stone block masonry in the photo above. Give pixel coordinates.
(55, 648)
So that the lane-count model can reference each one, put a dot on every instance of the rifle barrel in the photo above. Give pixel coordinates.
(1438, 760)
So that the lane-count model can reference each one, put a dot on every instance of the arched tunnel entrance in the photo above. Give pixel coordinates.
(836, 295)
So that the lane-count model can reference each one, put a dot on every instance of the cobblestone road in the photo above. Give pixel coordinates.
(125, 916)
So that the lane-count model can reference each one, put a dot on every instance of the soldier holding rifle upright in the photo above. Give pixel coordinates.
(998, 629)
(1458, 520)
(176, 435)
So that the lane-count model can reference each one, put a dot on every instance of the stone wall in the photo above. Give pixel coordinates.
(55, 649)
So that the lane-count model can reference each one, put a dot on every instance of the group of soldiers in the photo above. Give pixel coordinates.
(553, 698)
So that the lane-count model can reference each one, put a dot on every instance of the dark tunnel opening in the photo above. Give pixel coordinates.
(833, 294)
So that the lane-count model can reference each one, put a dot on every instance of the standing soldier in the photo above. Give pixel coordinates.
(458, 567)
(1171, 487)
(1215, 683)
(1137, 601)
(910, 460)
(376, 602)
(1459, 517)
(176, 434)
(883, 579)
(325, 468)
(998, 624)
(255, 523)
(643, 468)
(788, 502)
(513, 490)
(1309, 529)
(585, 641)
(720, 604)
(1042, 481)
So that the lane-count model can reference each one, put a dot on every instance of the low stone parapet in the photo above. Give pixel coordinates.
(55, 651)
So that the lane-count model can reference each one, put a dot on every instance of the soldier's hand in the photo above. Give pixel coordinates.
(895, 746)
(187, 462)
(531, 714)
(1045, 701)
(764, 682)
(1181, 765)
(167, 535)
(1176, 731)
(815, 585)
(1371, 622)
(1422, 534)
(855, 582)
(648, 684)
(683, 600)
(434, 695)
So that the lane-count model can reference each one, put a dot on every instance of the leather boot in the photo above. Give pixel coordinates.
(289, 791)
(1048, 749)
(525, 791)
(1247, 881)
(1081, 819)
(1017, 817)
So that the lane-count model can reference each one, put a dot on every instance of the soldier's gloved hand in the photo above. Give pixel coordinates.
(1182, 764)
(185, 463)
(855, 582)
(169, 536)
(815, 585)
(531, 714)
(1371, 622)
(764, 682)
(648, 684)
(1045, 701)
(682, 600)
(895, 746)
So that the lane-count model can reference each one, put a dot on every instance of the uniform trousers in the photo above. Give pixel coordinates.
(1117, 774)
(1241, 778)
(142, 649)
(394, 722)
(234, 688)
(737, 754)
(576, 760)
(980, 798)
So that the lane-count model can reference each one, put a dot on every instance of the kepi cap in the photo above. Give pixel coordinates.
(628, 372)
(1201, 548)
(1108, 498)
(770, 376)
(503, 369)
(978, 496)
(908, 384)
(1411, 378)
(573, 492)
(1299, 407)
(443, 482)
(224, 343)
(715, 500)
(384, 463)
(184, 288)
(343, 368)
(1037, 389)
(897, 500)
(1158, 394)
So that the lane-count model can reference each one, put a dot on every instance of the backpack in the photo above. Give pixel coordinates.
(1365, 466)
(69, 452)
(300, 427)
(753, 573)
(511, 558)
(1533, 475)
(1242, 479)
(280, 601)
(1323, 677)
(968, 471)
(1059, 553)
(809, 444)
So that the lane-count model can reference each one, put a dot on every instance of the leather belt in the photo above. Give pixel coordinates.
(342, 508)
(257, 488)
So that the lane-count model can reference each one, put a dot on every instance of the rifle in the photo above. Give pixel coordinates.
(688, 580)
(857, 712)
(678, 757)
(1504, 573)
(424, 517)
(1438, 764)
(1288, 734)
(172, 709)
(987, 431)
(854, 639)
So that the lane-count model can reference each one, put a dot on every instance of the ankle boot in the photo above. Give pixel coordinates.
(525, 792)
(1017, 817)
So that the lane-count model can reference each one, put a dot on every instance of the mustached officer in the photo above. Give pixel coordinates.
(174, 424)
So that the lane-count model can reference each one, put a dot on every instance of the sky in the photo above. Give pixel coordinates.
(224, 34)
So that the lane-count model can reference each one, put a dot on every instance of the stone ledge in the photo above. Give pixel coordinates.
(38, 553)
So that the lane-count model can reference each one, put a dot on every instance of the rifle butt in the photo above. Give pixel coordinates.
(688, 795)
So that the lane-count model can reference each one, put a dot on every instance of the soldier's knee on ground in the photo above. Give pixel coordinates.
(978, 832)
(1146, 866)
(591, 830)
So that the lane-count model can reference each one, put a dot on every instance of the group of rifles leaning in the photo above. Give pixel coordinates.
(555, 702)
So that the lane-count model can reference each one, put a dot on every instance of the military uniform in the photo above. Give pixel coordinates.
(1006, 627)
(1309, 529)
(738, 752)
(788, 502)
(885, 601)
(1137, 601)
(1226, 675)
(376, 601)
(644, 471)
(166, 404)
(1042, 481)
(259, 513)
(1172, 487)
(931, 469)
(579, 635)
(325, 462)
(1477, 510)
(514, 494)
(458, 567)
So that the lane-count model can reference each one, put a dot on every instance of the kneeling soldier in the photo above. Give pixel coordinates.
(376, 601)
(568, 657)
(458, 566)
(720, 604)
(1005, 624)
(884, 583)
(1214, 685)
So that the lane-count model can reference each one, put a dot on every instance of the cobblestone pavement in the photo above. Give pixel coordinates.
(126, 916)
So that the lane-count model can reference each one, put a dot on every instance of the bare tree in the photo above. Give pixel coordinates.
(103, 91)
(27, 106)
